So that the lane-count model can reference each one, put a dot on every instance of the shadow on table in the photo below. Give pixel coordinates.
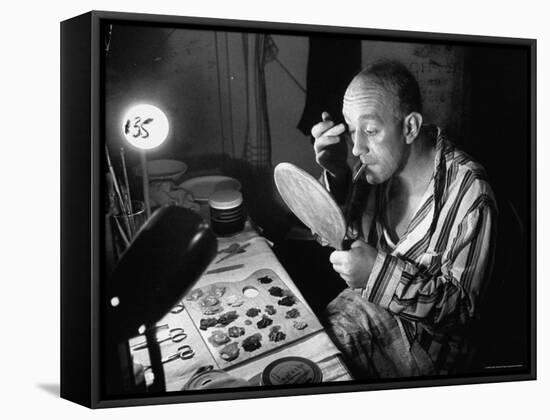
(52, 389)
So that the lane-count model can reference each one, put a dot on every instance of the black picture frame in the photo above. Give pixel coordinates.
(82, 137)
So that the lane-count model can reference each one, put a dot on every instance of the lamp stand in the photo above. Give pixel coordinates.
(145, 180)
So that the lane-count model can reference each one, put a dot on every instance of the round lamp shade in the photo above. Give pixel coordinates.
(145, 126)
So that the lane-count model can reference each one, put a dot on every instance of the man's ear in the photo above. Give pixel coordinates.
(411, 126)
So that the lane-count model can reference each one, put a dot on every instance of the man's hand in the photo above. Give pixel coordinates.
(330, 150)
(355, 265)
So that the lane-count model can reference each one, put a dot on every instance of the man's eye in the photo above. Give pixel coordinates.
(370, 132)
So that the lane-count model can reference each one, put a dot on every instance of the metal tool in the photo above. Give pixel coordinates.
(236, 250)
(178, 307)
(175, 335)
(184, 352)
(161, 327)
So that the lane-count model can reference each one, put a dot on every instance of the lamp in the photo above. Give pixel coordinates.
(145, 127)
(167, 256)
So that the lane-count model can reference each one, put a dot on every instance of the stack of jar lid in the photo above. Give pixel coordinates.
(227, 215)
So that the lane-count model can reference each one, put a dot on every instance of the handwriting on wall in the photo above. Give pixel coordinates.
(439, 71)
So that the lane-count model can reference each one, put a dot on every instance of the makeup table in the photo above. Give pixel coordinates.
(250, 267)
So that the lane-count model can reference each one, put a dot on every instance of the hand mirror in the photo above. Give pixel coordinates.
(311, 203)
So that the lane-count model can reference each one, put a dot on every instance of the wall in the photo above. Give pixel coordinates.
(439, 70)
(198, 78)
(175, 70)
(286, 103)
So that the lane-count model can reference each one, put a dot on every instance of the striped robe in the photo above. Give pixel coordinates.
(431, 280)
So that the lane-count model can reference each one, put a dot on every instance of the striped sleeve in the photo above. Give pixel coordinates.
(449, 294)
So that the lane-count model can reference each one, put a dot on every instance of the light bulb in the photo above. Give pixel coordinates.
(145, 126)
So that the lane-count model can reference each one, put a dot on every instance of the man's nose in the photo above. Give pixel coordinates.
(359, 146)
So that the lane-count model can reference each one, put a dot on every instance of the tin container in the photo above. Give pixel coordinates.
(227, 215)
(291, 371)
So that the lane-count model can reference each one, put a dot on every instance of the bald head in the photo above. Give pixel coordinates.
(365, 94)
(389, 81)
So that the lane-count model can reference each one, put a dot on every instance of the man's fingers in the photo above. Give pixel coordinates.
(323, 142)
(328, 137)
(335, 131)
(319, 128)
(341, 270)
(346, 278)
(339, 257)
(335, 257)
(325, 116)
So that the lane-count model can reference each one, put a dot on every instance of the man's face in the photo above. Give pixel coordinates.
(376, 131)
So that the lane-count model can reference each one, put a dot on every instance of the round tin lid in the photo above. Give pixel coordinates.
(225, 199)
(291, 370)
(207, 377)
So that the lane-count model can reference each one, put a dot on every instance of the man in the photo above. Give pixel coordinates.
(424, 218)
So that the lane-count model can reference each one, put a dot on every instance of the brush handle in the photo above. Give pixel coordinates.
(359, 172)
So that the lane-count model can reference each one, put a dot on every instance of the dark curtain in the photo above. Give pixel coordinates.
(332, 63)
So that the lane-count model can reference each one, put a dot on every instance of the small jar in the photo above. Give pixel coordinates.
(227, 215)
